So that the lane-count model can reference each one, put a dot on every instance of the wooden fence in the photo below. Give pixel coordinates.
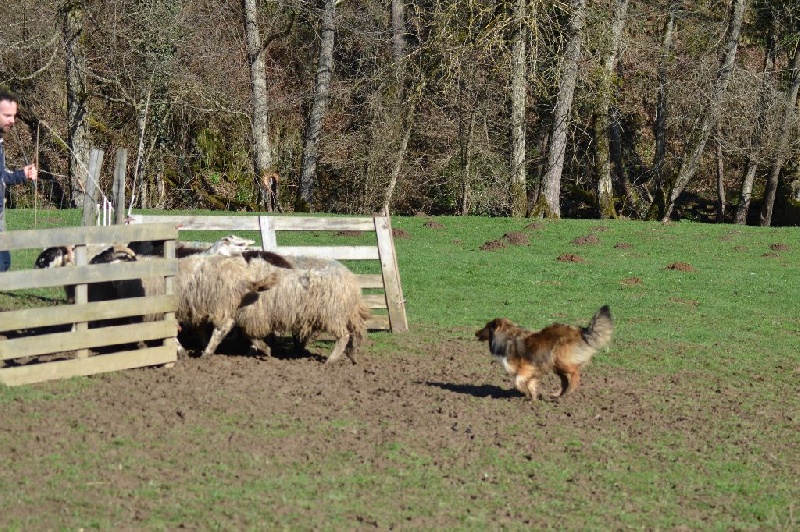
(388, 281)
(62, 333)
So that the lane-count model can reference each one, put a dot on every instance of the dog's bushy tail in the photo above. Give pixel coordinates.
(598, 333)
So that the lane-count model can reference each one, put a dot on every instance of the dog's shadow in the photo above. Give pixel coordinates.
(482, 390)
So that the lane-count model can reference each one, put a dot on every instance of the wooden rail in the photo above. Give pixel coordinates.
(63, 332)
(391, 300)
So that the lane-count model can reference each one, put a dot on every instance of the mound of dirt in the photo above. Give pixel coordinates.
(569, 257)
(493, 245)
(348, 233)
(516, 238)
(400, 233)
(740, 248)
(588, 239)
(690, 302)
(433, 224)
(622, 245)
(779, 247)
(681, 267)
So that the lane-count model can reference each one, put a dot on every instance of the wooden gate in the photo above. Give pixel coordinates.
(388, 281)
(59, 338)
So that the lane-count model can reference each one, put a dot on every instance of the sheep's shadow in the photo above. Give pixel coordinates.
(476, 390)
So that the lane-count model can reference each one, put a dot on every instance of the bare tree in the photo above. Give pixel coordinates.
(259, 121)
(765, 217)
(760, 128)
(720, 178)
(519, 193)
(403, 110)
(308, 170)
(71, 15)
(603, 116)
(708, 120)
(551, 187)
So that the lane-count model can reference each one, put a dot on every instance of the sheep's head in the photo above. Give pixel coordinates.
(55, 257)
(114, 254)
(229, 246)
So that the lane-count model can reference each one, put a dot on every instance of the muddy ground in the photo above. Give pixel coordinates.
(157, 447)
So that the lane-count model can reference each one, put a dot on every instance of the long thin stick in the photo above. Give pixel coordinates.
(36, 182)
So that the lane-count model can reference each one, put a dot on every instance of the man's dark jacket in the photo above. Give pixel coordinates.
(7, 177)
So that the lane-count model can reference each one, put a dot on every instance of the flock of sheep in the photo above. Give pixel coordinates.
(259, 292)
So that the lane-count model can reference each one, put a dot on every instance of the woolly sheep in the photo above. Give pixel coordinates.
(210, 289)
(308, 301)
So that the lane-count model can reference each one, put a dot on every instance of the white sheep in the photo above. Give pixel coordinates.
(306, 301)
(211, 289)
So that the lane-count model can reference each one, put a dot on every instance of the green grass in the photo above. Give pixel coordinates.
(730, 325)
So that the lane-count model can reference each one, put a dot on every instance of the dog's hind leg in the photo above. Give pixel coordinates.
(570, 380)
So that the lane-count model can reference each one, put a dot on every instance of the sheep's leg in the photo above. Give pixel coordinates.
(182, 352)
(259, 345)
(350, 351)
(339, 348)
(219, 334)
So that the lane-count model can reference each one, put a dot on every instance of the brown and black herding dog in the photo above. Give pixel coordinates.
(527, 355)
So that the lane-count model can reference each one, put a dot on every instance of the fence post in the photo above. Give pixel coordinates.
(118, 193)
(91, 187)
(395, 301)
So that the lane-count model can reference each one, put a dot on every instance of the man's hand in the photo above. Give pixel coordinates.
(31, 172)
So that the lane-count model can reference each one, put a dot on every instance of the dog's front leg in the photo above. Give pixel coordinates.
(526, 386)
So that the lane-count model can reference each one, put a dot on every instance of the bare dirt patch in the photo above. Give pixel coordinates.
(433, 224)
(570, 257)
(349, 233)
(400, 233)
(622, 245)
(690, 302)
(199, 432)
(631, 281)
(493, 245)
(588, 239)
(517, 238)
(778, 246)
(681, 267)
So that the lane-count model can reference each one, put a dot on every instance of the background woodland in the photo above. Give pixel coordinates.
(656, 110)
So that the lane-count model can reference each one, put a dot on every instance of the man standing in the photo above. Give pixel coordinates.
(8, 112)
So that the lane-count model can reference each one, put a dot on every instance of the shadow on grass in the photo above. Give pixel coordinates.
(482, 390)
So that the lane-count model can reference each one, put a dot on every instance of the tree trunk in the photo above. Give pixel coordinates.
(261, 147)
(403, 110)
(720, 181)
(659, 186)
(551, 186)
(398, 164)
(708, 120)
(465, 137)
(760, 129)
(781, 154)
(308, 170)
(77, 111)
(398, 29)
(519, 194)
(603, 117)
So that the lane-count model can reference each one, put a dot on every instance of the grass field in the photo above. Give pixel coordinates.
(691, 419)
